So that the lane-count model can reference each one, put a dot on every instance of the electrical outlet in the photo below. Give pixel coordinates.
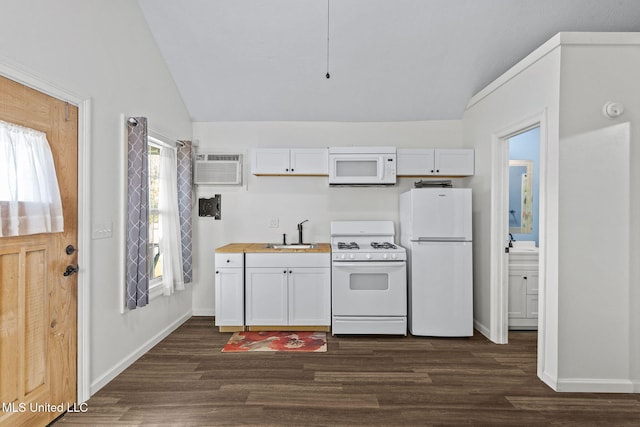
(274, 222)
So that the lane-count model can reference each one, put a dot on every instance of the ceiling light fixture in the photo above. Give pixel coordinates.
(328, 22)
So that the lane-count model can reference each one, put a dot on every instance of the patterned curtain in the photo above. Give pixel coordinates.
(185, 203)
(137, 213)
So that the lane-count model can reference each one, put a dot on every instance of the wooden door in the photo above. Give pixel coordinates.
(38, 339)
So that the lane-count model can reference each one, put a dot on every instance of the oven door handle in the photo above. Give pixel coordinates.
(369, 264)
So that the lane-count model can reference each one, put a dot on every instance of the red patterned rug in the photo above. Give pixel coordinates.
(276, 341)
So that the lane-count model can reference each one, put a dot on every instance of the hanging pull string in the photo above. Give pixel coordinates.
(328, 23)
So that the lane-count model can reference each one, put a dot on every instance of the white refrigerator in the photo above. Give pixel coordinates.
(435, 228)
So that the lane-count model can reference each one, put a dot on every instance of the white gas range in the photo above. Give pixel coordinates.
(369, 279)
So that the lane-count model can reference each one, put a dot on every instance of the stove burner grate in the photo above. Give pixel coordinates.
(383, 245)
(350, 245)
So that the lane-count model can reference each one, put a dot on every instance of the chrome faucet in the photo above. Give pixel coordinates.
(300, 232)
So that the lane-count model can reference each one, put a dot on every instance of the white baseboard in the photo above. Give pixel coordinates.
(127, 361)
(550, 381)
(482, 329)
(593, 385)
(204, 312)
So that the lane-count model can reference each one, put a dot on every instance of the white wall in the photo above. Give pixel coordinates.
(525, 94)
(589, 336)
(247, 210)
(599, 216)
(103, 50)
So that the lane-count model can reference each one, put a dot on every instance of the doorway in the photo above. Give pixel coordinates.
(499, 332)
(500, 232)
(523, 229)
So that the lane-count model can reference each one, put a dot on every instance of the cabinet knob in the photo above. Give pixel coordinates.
(290, 271)
(431, 170)
(217, 272)
(228, 260)
(291, 169)
(438, 170)
(524, 277)
(284, 271)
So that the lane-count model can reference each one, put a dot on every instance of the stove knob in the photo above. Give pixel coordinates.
(385, 256)
(394, 256)
(368, 256)
(352, 256)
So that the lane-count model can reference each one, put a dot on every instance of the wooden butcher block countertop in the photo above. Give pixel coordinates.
(262, 248)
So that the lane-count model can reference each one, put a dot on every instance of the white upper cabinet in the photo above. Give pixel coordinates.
(435, 162)
(415, 161)
(270, 161)
(454, 162)
(290, 161)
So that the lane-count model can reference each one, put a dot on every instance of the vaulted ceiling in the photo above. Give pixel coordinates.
(389, 60)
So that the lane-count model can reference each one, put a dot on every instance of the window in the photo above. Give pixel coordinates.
(154, 259)
(29, 195)
(164, 259)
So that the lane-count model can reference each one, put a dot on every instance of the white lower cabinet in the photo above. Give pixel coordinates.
(288, 289)
(310, 296)
(229, 289)
(523, 291)
(267, 302)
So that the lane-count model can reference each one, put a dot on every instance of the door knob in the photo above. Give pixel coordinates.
(71, 270)
(70, 249)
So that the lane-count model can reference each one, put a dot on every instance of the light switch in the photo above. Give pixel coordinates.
(102, 230)
(274, 222)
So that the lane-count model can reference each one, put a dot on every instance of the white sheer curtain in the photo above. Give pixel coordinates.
(170, 242)
(29, 194)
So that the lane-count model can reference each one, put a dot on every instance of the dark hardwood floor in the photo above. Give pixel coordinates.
(365, 381)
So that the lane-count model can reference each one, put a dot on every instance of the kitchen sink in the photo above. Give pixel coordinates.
(292, 246)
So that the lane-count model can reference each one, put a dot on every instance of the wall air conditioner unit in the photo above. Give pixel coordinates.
(217, 169)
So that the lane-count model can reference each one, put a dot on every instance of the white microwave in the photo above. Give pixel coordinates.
(362, 165)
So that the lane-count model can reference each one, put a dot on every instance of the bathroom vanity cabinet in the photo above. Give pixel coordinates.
(523, 289)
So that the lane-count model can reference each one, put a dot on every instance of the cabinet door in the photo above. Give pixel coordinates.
(270, 161)
(266, 296)
(309, 161)
(531, 279)
(532, 282)
(415, 162)
(454, 162)
(517, 296)
(309, 296)
(229, 294)
(532, 306)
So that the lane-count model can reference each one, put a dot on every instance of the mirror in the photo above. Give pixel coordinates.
(520, 196)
